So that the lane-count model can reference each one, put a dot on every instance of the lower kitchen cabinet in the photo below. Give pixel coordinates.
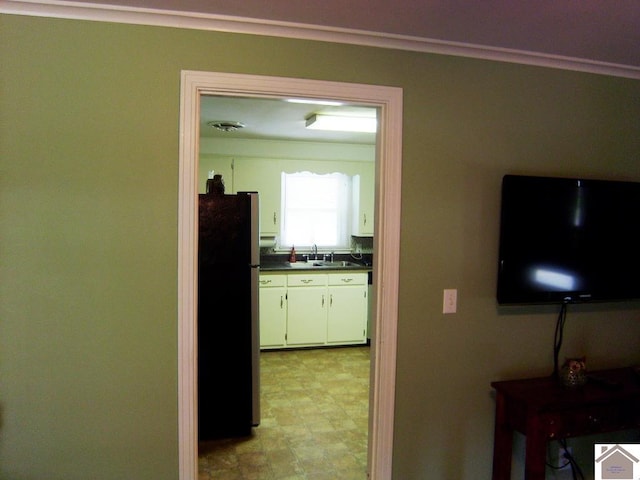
(313, 309)
(347, 313)
(307, 309)
(273, 311)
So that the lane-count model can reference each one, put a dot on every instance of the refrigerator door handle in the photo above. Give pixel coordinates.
(255, 225)
(255, 307)
(255, 346)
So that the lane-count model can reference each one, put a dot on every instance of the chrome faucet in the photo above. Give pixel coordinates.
(314, 249)
(328, 257)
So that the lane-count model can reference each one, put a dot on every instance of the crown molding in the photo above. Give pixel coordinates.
(232, 24)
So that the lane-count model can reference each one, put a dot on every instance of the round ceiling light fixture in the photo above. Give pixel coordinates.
(226, 125)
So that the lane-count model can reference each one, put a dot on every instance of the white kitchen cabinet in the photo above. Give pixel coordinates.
(313, 309)
(263, 176)
(306, 309)
(363, 186)
(273, 310)
(347, 312)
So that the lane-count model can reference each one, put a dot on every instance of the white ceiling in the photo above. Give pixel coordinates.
(597, 30)
(273, 119)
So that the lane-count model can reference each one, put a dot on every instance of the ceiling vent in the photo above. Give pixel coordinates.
(226, 126)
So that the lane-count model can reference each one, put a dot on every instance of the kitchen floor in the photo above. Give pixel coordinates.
(315, 406)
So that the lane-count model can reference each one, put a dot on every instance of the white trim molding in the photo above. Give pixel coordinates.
(232, 24)
(386, 259)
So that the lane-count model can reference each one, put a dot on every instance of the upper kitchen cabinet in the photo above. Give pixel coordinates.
(248, 175)
(263, 176)
(364, 201)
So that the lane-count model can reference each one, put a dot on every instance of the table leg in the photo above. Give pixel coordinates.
(502, 442)
(536, 451)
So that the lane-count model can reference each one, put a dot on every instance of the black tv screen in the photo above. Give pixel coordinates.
(568, 240)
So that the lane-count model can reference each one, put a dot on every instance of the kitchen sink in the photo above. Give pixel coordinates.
(299, 264)
(324, 264)
(337, 264)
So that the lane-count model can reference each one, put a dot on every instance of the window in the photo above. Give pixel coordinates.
(315, 210)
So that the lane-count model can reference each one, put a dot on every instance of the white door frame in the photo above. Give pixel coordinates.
(386, 246)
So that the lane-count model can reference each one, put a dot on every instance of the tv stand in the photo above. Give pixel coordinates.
(543, 410)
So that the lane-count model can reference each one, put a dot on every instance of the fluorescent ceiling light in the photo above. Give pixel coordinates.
(342, 123)
(310, 101)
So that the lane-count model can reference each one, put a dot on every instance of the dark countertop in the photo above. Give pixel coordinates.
(286, 267)
(280, 263)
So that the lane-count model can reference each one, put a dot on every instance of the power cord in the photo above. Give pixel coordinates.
(576, 471)
(557, 339)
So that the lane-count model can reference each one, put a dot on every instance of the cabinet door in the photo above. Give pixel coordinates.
(347, 313)
(347, 317)
(307, 316)
(273, 317)
(363, 202)
(263, 176)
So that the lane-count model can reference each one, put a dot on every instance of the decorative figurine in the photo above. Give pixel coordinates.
(215, 185)
(573, 373)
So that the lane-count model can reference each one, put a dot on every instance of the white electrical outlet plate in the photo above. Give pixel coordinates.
(563, 463)
(450, 300)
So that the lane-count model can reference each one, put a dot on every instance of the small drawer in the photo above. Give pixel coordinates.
(272, 281)
(307, 280)
(348, 278)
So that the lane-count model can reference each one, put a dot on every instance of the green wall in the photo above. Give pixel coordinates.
(89, 118)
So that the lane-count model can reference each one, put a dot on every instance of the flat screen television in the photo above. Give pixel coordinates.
(567, 240)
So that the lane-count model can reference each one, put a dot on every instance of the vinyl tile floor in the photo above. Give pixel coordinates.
(314, 409)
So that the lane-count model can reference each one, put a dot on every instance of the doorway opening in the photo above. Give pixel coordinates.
(386, 245)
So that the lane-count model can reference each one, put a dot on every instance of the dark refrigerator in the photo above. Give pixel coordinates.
(228, 324)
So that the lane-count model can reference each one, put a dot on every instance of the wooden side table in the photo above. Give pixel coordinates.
(543, 410)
